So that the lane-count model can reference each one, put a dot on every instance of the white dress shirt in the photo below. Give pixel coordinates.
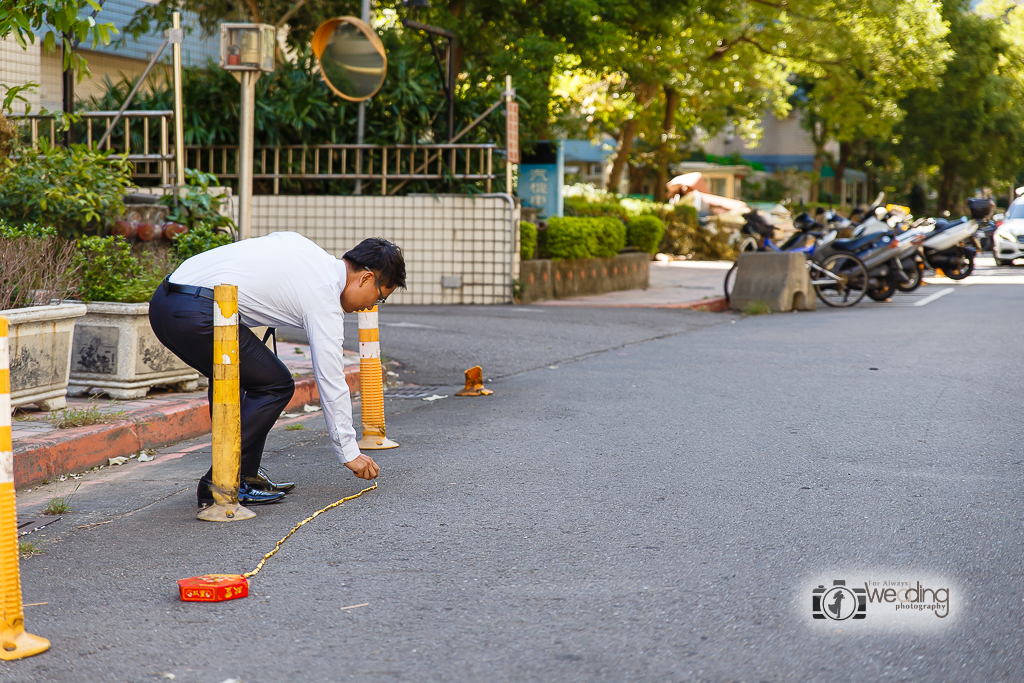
(286, 279)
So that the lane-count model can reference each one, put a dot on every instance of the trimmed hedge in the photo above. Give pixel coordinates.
(572, 238)
(527, 240)
(645, 232)
(579, 207)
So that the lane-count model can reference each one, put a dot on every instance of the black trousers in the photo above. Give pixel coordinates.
(184, 324)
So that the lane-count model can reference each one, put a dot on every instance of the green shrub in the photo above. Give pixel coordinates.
(579, 207)
(527, 240)
(109, 271)
(572, 238)
(76, 191)
(106, 264)
(645, 232)
(200, 237)
(198, 206)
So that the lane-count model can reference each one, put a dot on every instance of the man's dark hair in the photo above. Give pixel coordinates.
(382, 257)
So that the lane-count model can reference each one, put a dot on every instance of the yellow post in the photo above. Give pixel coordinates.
(371, 384)
(227, 418)
(15, 643)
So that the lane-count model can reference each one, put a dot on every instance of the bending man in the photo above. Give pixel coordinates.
(283, 279)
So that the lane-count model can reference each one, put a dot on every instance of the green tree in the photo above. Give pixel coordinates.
(854, 61)
(969, 132)
(862, 56)
(662, 84)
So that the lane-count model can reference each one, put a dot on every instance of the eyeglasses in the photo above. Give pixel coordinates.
(383, 299)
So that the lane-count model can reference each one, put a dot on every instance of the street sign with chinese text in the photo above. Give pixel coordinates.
(540, 179)
(512, 131)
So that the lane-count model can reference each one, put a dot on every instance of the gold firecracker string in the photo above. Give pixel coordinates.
(277, 547)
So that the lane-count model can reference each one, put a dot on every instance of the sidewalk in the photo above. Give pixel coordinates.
(44, 451)
(694, 285)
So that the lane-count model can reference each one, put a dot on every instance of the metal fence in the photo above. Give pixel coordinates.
(391, 166)
(458, 248)
(140, 135)
(143, 136)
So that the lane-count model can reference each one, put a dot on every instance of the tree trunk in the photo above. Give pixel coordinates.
(819, 158)
(668, 131)
(845, 152)
(947, 185)
(458, 9)
(628, 128)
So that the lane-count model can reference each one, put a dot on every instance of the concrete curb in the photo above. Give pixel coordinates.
(716, 305)
(74, 450)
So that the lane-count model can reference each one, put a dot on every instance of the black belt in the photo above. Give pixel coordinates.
(173, 288)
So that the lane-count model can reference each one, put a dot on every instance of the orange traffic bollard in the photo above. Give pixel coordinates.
(227, 417)
(371, 384)
(15, 643)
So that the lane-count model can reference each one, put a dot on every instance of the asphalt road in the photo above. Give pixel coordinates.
(652, 498)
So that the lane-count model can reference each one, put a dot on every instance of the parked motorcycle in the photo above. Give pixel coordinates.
(949, 247)
(881, 253)
(982, 210)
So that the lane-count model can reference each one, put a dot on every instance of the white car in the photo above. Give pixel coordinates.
(1008, 242)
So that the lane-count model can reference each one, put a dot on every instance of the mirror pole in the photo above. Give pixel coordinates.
(361, 126)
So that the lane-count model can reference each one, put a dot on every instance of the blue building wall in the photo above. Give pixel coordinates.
(196, 49)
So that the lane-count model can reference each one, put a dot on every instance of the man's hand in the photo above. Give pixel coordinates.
(364, 467)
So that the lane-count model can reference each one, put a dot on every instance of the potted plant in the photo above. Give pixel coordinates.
(114, 348)
(36, 277)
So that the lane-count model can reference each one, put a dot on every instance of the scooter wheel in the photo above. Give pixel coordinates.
(959, 273)
(916, 278)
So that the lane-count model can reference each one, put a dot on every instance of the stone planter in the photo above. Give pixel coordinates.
(115, 350)
(40, 342)
(557, 279)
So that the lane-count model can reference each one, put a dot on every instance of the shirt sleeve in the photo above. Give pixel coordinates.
(326, 332)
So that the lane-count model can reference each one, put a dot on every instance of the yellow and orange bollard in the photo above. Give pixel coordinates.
(371, 384)
(227, 417)
(15, 643)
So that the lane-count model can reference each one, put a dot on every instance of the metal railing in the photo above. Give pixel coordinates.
(146, 145)
(394, 164)
(144, 137)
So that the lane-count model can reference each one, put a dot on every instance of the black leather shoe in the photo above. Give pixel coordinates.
(262, 482)
(247, 495)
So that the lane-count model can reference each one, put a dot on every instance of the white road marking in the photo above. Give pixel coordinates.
(411, 325)
(937, 295)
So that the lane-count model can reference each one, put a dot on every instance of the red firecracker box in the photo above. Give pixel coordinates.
(214, 588)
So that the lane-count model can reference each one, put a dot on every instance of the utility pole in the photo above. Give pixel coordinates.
(247, 50)
(175, 37)
(246, 142)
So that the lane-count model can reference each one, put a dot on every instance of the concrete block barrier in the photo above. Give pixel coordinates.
(779, 280)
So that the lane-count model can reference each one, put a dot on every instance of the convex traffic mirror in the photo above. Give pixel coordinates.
(352, 58)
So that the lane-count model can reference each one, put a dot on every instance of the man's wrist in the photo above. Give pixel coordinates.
(350, 452)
